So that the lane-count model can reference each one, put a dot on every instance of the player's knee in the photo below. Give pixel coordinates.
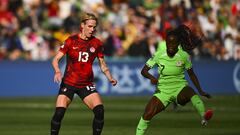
(148, 114)
(59, 113)
(183, 101)
(99, 112)
(185, 95)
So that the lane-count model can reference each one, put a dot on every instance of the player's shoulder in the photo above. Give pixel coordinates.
(184, 54)
(182, 51)
(96, 40)
(73, 37)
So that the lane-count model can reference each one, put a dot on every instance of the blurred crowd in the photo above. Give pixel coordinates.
(34, 29)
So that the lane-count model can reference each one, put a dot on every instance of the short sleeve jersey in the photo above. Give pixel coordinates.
(171, 70)
(80, 57)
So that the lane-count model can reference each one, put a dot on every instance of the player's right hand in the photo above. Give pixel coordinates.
(58, 77)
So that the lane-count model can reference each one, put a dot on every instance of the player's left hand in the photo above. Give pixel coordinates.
(202, 93)
(113, 82)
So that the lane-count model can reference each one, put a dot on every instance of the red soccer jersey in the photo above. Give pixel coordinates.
(80, 56)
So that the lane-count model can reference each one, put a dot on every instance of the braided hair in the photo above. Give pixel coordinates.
(188, 39)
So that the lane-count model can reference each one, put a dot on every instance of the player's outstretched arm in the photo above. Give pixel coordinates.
(105, 70)
(58, 74)
(195, 81)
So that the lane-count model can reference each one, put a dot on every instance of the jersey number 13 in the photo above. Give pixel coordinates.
(83, 56)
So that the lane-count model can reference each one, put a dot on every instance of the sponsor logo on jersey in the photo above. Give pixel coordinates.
(74, 48)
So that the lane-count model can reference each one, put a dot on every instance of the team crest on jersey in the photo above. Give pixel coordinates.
(179, 63)
(92, 49)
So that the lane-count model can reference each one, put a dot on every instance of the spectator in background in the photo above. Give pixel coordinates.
(130, 30)
(139, 47)
(9, 26)
(24, 20)
(229, 45)
(13, 44)
(72, 21)
(152, 46)
(47, 17)
(53, 13)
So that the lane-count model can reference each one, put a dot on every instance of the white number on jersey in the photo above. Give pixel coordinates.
(83, 56)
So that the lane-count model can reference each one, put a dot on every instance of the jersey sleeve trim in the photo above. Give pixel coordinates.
(150, 66)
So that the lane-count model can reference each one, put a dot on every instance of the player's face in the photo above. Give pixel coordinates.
(172, 45)
(89, 27)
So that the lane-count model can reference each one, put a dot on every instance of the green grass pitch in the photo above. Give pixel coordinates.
(31, 116)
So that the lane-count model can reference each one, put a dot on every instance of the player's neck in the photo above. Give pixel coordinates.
(82, 36)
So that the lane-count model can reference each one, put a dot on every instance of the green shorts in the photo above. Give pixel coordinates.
(168, 96)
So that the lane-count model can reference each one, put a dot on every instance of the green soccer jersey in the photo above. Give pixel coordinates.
(171, 70)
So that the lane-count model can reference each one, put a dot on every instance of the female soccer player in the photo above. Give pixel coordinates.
(81, 50)
(172, 59)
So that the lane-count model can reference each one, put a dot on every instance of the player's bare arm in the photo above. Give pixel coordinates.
(146, 74)
(195, 81)
(58, 74)
(105, 70)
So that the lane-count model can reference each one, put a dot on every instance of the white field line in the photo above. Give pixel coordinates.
(117, 107)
